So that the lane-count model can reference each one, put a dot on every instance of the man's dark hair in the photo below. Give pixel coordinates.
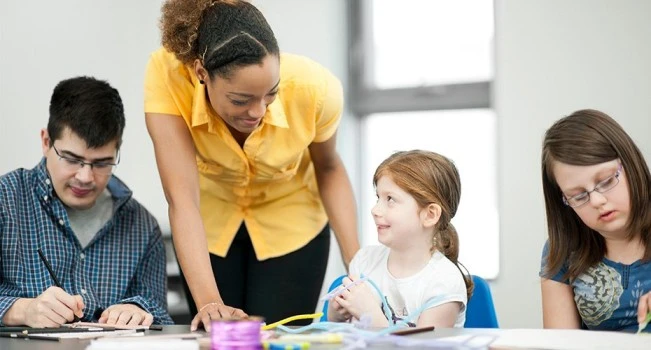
(91, 108)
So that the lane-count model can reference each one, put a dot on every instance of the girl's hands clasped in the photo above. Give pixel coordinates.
(358, 299)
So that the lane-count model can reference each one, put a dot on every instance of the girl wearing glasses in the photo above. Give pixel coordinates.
(595, 272)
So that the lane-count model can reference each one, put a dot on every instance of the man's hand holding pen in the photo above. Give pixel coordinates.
(52, 308)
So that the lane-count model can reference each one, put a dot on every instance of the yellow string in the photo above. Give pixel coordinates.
(290, 319)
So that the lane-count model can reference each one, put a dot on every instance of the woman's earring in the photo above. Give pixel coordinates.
(201, 82)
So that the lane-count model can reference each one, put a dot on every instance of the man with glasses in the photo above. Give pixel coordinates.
(102, 255)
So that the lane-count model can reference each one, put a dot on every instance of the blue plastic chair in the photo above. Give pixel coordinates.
(333, 285)
(480, 311)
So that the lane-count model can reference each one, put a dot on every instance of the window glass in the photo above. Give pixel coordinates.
(431, 42)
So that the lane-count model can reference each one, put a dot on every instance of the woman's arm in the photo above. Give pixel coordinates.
(175, 157)
(337, 196)
(441, 316)
(559, 309)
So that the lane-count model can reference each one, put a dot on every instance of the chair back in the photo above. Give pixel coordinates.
(480, 311)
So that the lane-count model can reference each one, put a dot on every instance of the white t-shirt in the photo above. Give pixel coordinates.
(439, 280)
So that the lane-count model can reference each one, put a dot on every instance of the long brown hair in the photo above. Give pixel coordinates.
(430, 178)
(589, 137)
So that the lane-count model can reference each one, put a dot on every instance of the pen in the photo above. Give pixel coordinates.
(413, 330)
(54, 277)
(153, 327)
(31, 330)
(26, 336)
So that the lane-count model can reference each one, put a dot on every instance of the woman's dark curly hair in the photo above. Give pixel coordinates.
(223, 34)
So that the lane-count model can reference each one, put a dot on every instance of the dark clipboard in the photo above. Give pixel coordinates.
(30, 332)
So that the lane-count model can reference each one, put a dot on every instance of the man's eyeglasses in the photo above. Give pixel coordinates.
(602, 187)
(74, 164)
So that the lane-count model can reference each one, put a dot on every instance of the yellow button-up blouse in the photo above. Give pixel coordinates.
(269, 183)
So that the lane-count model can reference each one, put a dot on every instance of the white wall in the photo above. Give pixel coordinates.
(552, 58)
(43, 42)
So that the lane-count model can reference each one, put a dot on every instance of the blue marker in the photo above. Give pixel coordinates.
(286, 346)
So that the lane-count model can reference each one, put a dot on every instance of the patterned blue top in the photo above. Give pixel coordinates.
(124, 263)
(607, 294)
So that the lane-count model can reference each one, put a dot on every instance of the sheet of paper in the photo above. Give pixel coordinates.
(150, 336)
(570, 339)
(144, 343)
(90, 335)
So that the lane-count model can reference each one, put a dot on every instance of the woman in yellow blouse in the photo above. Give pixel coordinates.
(245, 145)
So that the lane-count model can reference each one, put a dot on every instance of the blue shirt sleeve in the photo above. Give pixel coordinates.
(148, 288)
(558, 277)
(8, 292)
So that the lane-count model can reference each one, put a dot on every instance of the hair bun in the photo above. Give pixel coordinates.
(179, 25)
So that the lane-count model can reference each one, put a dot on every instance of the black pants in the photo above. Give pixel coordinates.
(275, 288)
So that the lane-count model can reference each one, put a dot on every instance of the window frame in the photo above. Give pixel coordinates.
(365, 99)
